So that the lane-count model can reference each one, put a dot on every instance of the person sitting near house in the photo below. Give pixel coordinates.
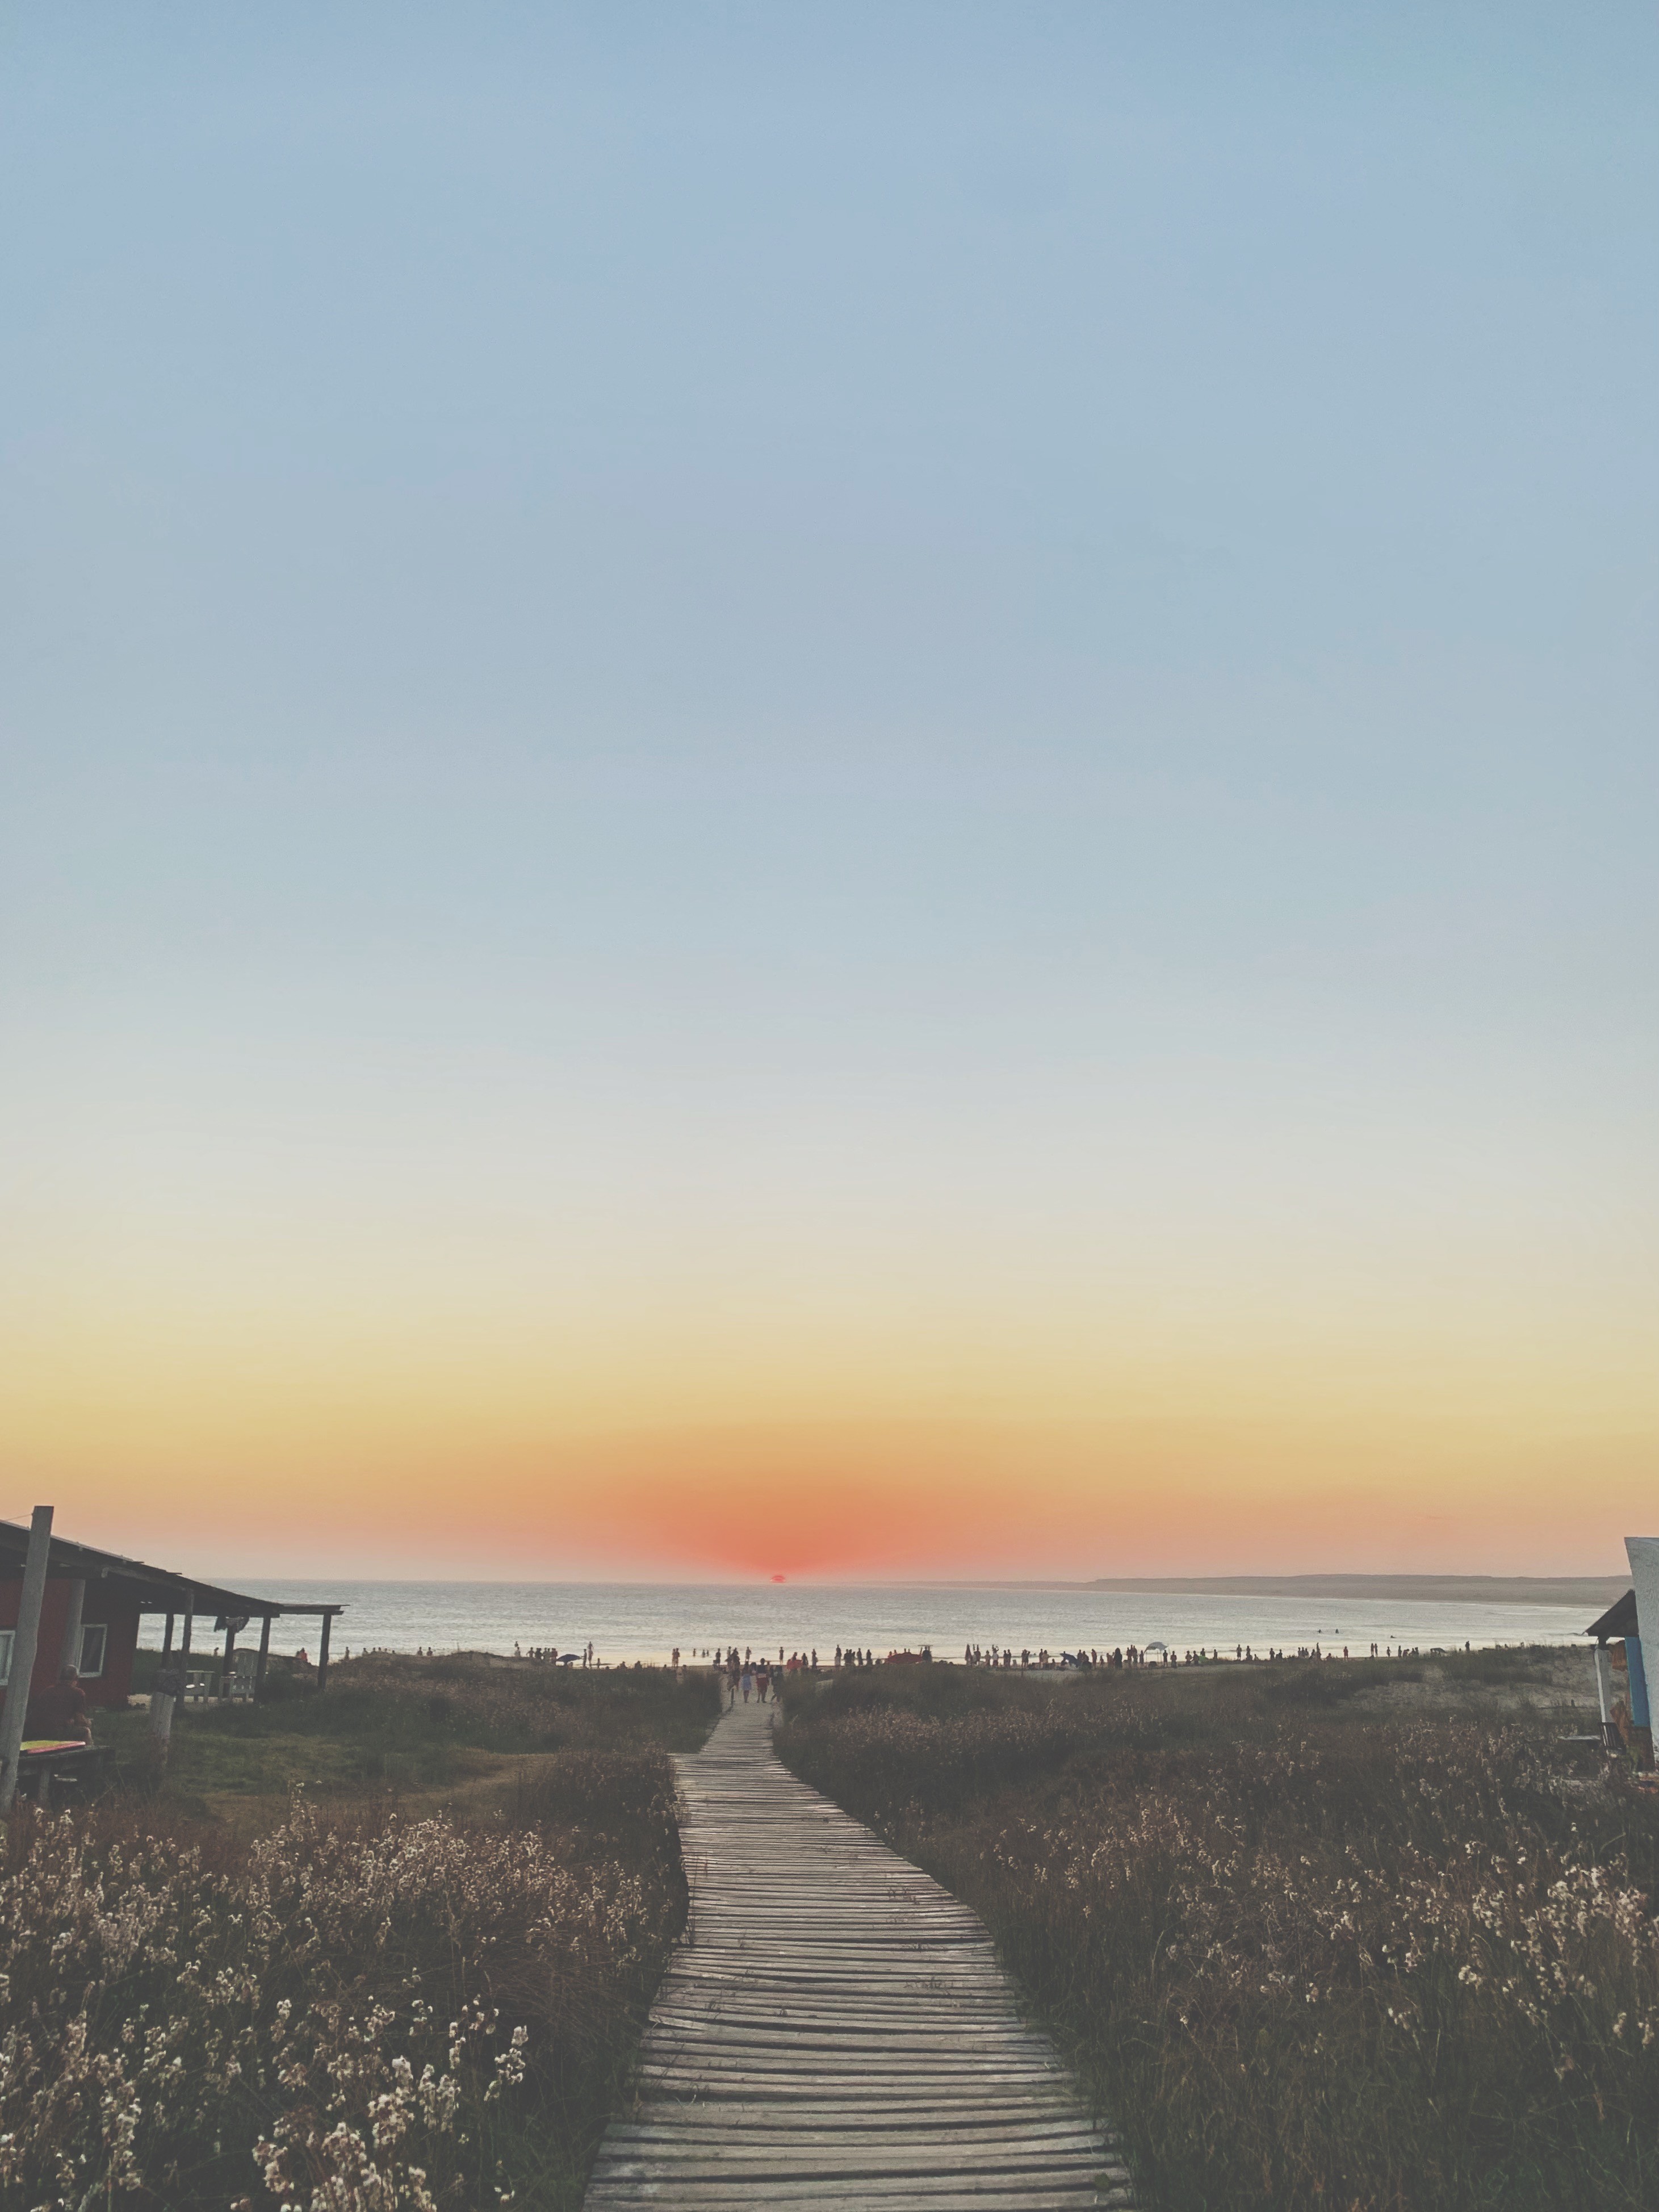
(59, 1715)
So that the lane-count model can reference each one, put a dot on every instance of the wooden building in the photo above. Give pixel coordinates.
(93, 1603)
(1626, 1637)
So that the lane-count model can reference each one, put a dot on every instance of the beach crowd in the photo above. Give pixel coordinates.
(760, 1672)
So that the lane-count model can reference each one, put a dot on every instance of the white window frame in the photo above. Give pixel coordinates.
(100, 1629)
(8, 1638)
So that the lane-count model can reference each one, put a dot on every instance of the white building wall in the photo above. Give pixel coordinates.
(1644, 1554)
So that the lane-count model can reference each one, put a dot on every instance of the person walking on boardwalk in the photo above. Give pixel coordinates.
(731, 1685)
(748, 1682)
(764, 1681)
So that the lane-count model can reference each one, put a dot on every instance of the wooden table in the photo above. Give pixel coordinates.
(51, 1769)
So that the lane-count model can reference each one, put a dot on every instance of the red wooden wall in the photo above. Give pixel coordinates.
(114, 1686)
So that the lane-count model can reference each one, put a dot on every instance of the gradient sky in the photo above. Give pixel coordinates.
(830, 789)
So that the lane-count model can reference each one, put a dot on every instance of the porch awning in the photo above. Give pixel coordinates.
(153, 1589)
(1618, 1619)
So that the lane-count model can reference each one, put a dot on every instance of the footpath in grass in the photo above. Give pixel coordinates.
(437, 1731)
(418, 1982)
(1323, 1938)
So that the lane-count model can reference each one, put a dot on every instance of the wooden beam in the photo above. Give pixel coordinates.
(77, 1599)
(265, 1650)
(25, 1643)
(322, 1653)
(167, 1639)
(162, 1705)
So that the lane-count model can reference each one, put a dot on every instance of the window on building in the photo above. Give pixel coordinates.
(7, 1635)
(95, 1637)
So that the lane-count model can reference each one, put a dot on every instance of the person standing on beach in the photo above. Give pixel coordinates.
(748, 1681)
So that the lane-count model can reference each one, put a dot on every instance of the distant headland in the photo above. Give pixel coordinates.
(1593, 1591)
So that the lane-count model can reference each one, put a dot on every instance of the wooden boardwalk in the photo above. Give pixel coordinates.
(835, 2031)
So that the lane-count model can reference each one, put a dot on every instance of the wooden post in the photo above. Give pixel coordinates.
(25, 1642)
(230, 1654)
(322, 1653)
(1604, 1697)
(182, 1670)
(164, 1698)
(77, 1599)
(264, 1651)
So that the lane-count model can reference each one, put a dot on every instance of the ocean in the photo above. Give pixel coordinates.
(625, 1621)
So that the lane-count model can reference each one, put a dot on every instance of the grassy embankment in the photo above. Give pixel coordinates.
(1354, 1937)
(416, 1983)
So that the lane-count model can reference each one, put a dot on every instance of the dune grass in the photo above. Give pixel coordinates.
(407, 1725)
(1307, 1952)
(360, 2001)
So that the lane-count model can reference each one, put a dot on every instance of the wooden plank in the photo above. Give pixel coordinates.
(1011, 2129)
(837, 2031)
(940, 2191)
(778, 2038)
(925, 2161)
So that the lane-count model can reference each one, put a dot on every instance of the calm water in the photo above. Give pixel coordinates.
(645, 1620)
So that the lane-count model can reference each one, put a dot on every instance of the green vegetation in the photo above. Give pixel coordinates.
(1351, 1936)
(418, 1984)
(419, 1725)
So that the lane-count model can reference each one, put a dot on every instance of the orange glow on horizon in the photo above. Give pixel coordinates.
(332, 1426)
(849, 1500)
(923, 852)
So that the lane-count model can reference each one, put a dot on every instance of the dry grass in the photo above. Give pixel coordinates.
(1310, 1958)
(355, 2011)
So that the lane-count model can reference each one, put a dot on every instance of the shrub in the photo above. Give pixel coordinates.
(1310, 1962)
(356, 2014)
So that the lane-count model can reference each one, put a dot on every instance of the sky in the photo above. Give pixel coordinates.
(832, 790)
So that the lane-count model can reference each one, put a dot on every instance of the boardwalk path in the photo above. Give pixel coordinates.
(836, 2031)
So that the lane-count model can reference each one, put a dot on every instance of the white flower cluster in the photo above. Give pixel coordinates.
(162, 2017)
